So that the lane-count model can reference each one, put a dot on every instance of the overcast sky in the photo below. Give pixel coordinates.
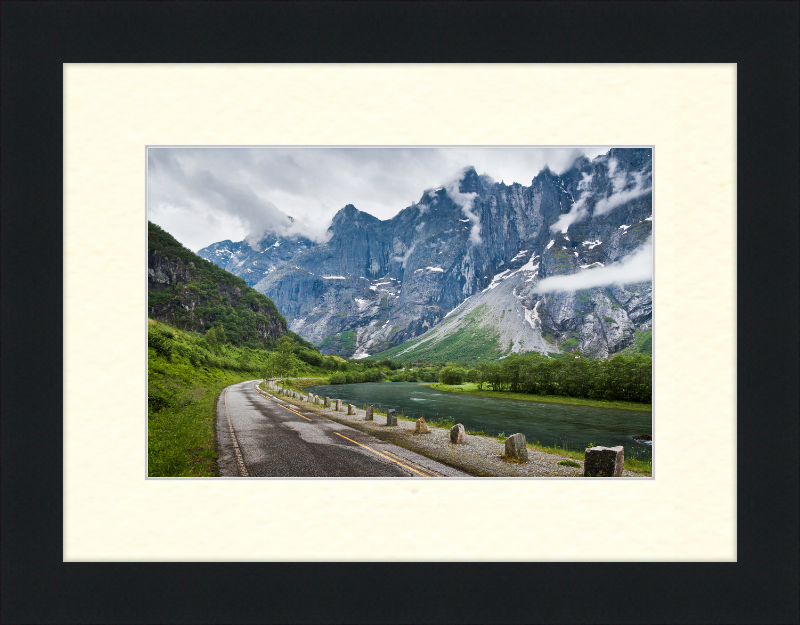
(205, 195)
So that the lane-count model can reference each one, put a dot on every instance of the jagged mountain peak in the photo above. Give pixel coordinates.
(470, 181)
(350, 216)
(377, 283)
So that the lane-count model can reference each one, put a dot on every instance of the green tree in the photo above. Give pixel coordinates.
(284, 357)
(211, 339)
(452, 375)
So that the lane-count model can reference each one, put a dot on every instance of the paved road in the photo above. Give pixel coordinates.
(273, 438)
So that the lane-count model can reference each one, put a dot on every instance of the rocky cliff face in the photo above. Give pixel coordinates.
(163, 272)
(377, 284)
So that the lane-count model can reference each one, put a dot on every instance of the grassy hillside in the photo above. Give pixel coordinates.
(642, 344)
(470, 344)
(185, 377)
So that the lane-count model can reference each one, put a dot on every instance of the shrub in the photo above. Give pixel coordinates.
(452, 375)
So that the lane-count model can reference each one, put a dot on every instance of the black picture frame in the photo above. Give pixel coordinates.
(39, 37)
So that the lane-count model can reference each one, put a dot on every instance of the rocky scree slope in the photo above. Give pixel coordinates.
(463, 264)
(192, 293)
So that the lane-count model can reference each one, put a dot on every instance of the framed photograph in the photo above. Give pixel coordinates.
(88, 536)
(484, 328)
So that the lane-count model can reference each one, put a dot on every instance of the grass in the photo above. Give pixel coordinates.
(298, 384)
(471, 388)
(181, 432)
(569, 463)
(642, 344)
(469, 344)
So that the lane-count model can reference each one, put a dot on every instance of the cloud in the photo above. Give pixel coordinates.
(404, 257)
(619, 195)
(579, 209)
(637, 267)
(619, 180)
(465, 200)
(312, 184)
(185, 186)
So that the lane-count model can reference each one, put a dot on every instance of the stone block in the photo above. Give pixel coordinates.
(422, 427)
(370, 413)
(391, 417)
(338, 405)
(327, 402)
(458, 435)
(351, 409)
(516, 448)
(604, 461)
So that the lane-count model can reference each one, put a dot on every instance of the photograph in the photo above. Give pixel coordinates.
(386, 312)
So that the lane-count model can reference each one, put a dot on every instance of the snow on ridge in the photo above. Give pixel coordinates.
(334, 278)
(435, 269)
(549, 245)
(529, 266)
(648, 218)
(598, 264)
(497, 280)
(592, 244)
(623, 228)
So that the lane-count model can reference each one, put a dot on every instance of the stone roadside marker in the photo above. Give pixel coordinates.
(351, 409)
(338, 405)
(516, 447)
(604, 461)
(458, 435)
(422, 427)
(327, 402)
(391, 417)
(370, 412)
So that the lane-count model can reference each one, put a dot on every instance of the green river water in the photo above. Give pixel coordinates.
(573, 427)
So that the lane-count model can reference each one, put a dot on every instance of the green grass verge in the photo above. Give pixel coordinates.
(471, 388)
(181, 432)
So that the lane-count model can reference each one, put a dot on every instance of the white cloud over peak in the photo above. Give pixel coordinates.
(465, 201)
(637, 267)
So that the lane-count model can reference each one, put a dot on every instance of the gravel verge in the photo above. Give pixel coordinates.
(479, 456)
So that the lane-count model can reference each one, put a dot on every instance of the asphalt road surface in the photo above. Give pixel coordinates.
(259, 435)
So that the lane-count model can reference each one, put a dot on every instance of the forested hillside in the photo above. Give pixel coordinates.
(194, 294)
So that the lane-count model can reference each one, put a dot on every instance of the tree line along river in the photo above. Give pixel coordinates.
(573, 427)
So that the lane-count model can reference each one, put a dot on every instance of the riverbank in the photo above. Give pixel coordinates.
(471, 388)
(480, 456)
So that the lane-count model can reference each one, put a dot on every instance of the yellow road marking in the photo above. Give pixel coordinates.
(281, 405)
(382, 455)
(423, 469)
(426, 473)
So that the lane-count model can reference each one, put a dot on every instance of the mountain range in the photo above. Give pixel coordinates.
(474, 269)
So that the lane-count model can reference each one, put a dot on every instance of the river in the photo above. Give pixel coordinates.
(573, 427)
